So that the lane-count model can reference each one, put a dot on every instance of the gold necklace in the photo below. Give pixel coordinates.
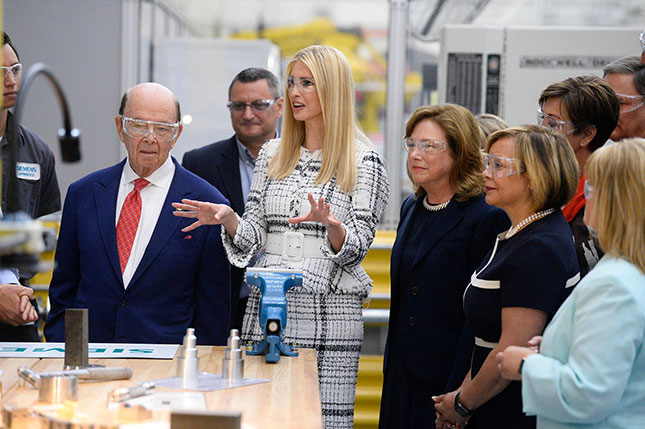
(535, 216)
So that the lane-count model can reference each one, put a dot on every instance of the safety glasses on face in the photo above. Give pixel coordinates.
(304, 84)
(555, 124)
(499, 166)
(141, 128)
(629, 103)
(588, 190)
(256, 106)
(425, 147)
(15, 70)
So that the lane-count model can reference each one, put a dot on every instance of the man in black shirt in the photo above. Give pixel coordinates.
(37, 192)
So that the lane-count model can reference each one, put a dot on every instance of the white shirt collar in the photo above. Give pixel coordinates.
(161, 177)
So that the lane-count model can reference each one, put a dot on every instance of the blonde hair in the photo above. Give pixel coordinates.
(464, 137)
(617, 174)
(548, 161)
(335, 87)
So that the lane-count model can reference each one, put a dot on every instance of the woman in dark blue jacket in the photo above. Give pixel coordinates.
(445, 230)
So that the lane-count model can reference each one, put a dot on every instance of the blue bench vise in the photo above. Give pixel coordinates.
(273, 284)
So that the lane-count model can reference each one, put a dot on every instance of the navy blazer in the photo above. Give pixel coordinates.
(218, 164)
(182, 281)
(437, 347)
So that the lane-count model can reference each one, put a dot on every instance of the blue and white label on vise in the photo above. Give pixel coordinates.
(27, 171)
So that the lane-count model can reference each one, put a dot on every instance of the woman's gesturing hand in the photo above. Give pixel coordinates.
(206, 214)
(320, 212)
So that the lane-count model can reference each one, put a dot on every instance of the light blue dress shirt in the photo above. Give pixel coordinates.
(9, 276)
(590, 372)
(246, 165)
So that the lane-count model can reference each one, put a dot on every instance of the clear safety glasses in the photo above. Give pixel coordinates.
(304, 84)
(499, 166)
(15, 70)
(141, 128)
(256, 106)
(557, 125)
(629, 103)
(425, 147)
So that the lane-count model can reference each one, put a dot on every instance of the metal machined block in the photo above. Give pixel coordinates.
(76, 337)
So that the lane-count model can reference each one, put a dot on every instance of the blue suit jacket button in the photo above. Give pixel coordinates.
(122, 303)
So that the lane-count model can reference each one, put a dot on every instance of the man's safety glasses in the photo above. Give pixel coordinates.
(141, 128)
(256, 106)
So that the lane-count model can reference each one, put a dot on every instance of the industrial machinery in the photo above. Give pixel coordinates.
(503, 70)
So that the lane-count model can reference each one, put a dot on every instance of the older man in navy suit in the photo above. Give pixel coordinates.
(121, 252)
(255, 105)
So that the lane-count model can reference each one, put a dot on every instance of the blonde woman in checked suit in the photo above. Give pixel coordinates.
(323, 184)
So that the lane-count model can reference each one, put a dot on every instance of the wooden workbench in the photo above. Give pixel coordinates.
(290, 400)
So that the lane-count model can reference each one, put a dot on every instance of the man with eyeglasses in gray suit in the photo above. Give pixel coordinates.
(255, 105)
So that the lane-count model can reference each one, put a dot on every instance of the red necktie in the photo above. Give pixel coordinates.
(126, 227)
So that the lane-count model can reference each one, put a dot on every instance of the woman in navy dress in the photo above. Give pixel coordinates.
(445, 230)
(590, 369)
(530, 173)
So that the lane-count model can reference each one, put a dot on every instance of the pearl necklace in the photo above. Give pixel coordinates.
(434, 207)
(535, 216)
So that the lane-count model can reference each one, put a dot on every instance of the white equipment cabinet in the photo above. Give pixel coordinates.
(504, 70)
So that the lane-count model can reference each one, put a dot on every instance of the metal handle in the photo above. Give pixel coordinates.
(117, 373)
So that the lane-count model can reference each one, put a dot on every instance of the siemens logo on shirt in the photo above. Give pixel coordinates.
(27, 171)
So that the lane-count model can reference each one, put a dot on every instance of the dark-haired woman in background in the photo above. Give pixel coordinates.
(585, 111)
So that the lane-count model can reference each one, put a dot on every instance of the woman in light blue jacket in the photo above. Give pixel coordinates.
(590, 369)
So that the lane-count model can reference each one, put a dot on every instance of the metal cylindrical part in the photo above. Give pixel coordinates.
(187, 361)
(29, 375)
(126, 393)
(233, 361)
(55, 389)
(187, 367)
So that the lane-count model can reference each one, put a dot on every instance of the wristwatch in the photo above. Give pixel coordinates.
(463, 411)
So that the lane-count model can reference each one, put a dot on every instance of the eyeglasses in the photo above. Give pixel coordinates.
(499, 166)
(425, 147)
(304, 84)
(588, 190)
(256, 106)
(625, 101)
(141, 128)
(555, 124)
(15, 70)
